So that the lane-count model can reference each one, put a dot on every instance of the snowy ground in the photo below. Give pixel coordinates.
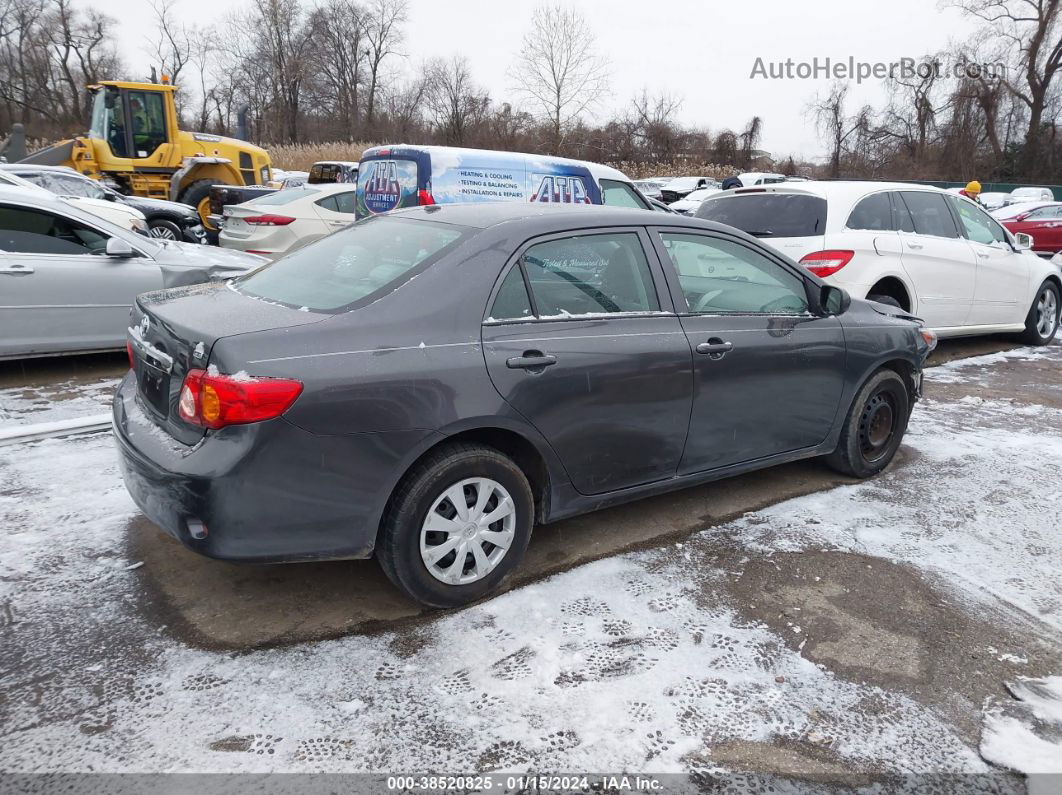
(868, 630)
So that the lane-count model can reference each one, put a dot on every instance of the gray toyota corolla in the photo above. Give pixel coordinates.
(427, 386)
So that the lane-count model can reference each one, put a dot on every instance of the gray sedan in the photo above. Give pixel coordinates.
(68, 278)
(425, 386)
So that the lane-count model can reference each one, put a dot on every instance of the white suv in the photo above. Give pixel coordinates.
(933, 254)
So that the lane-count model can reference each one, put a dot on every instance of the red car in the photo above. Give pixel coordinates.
(1044, 223)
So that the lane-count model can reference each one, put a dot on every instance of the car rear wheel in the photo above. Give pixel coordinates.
(164, 230)
(1041, 324)
(874, 427)
(456, 526)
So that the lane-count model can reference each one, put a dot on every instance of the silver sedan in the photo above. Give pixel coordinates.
(68, 278)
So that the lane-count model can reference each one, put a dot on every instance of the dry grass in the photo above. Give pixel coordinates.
(299, 157)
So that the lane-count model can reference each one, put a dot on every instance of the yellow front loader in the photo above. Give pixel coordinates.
(133, 140)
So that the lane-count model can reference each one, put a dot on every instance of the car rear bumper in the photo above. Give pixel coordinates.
(269, 492)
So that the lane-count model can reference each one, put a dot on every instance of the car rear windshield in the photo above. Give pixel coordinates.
(286, 196)
(360, 263)
(768, 214)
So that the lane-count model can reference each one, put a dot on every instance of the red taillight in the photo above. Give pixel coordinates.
(129, 350)
(827, 263)
(214, 401)
(424, 198)
(269, 220)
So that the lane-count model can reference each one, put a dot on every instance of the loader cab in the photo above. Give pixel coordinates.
(134, 120)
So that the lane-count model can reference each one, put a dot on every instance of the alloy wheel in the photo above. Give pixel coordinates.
(162, 232)
(467, 531)
(1046, 313)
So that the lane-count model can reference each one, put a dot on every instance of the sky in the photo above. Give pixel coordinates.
(703, 51)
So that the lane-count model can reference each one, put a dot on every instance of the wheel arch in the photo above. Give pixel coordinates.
(894, 286)
(529, 451)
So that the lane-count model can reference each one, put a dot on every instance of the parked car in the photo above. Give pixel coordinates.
(1032, 194)
(689, 204)
(426, 386)
(67, 276)
(282, 222)
(681, 187)
(752, 178)
(649, 188)
(994, 200)
(165, 219)
(125, 217)
(393, 177)
(929, 252)
(1043, 224)
(322, 172)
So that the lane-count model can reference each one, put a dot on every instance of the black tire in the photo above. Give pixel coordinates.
(398, 545)
(166, 230)
(195, 195)
(885, 299)
(874, 427)
(1038, 329)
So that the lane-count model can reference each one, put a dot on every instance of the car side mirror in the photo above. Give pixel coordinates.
(835, 301)
(1023, 241)
(119, 248)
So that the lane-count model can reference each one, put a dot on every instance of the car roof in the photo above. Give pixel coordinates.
(597, 169)
(16, 167)
(484, 215)
(833, 190)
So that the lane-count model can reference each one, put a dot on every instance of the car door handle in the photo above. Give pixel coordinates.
(983, 254)
(715, 348)
(532, 361)
(915, 246)
(17, 270)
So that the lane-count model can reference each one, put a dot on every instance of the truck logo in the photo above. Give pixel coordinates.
(561, 190)
(382, 188)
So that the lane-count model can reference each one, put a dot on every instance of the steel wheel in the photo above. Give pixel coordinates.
(1046, 312)
(877, 424)
(467, 531)
(162, 232)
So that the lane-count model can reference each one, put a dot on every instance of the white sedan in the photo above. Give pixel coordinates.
(689, 204)
(288, 219)
(126, 217)
(929, 252)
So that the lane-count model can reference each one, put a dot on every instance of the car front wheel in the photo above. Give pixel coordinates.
(164, 230)
(874, 427)
(456, 526)
(1041, 324)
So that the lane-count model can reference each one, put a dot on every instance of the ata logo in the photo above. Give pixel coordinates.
(561, 190)
(382, 188)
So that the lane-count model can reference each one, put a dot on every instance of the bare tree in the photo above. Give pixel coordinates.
(829, 116)
(750, 138)
(456, 103)
(559, 70)
(342, 53)
(383, 35)
(654, 123)
(1029, 31)
(171, 45)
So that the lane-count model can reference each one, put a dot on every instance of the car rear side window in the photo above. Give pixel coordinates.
(874, 213)
(768, 214)
(620, 194)
(590, 274)
(367, 259)
(512, 301)
(930, 214)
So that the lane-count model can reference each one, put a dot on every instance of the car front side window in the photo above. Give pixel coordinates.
(723, 277)
(24, 230)
(620, 194)
(590, 274)
(977, 225)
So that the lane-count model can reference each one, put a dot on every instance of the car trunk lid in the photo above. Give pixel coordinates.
(173, 331)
